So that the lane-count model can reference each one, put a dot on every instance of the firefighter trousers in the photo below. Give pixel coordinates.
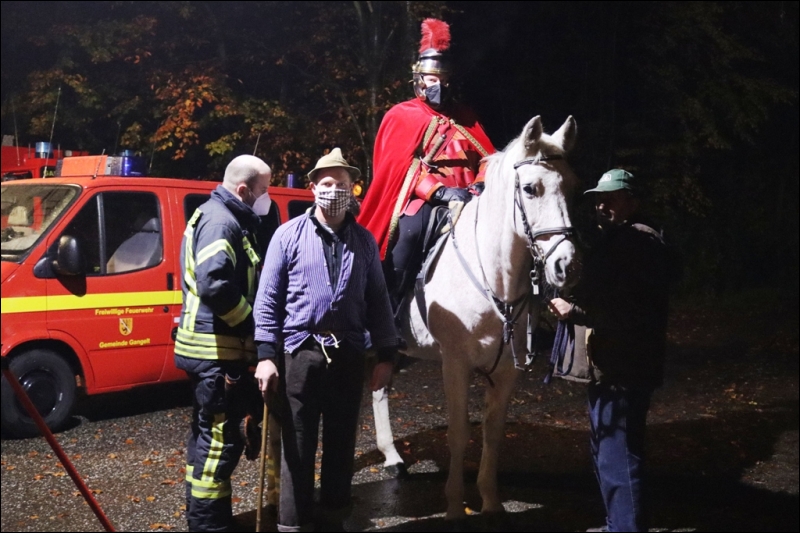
(215, 444)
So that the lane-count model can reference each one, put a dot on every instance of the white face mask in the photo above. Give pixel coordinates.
(332, 201)
(262, 205)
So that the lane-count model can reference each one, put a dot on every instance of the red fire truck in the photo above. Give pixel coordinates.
(40, 162)
(91, 292)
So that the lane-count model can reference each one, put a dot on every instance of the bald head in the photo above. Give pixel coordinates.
(247, 177)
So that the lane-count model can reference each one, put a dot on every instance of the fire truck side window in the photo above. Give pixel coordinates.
(192, 202)
(84, 227)
(119, 232)
(298, 207)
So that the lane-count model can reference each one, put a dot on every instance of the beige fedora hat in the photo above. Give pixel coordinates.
(334, 159)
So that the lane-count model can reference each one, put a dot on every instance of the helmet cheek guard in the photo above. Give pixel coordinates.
(419, 87)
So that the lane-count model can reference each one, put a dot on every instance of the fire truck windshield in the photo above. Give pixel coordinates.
(28, 211)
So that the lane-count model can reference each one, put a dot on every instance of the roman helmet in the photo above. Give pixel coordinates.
(433, 57)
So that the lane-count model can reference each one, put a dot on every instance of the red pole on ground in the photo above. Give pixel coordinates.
(48, 435)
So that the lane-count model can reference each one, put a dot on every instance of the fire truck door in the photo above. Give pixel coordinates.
(120, 310)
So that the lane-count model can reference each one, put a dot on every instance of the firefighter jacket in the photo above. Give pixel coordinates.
(218, 267)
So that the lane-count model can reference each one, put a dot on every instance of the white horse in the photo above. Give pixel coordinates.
(478, 292)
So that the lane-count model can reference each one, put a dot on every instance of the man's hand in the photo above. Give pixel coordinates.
(560, 307)
(381, 375)
(267, 376)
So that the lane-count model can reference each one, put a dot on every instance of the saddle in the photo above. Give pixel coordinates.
(441, 222)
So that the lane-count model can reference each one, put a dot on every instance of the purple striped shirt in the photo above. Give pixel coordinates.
(295, 299)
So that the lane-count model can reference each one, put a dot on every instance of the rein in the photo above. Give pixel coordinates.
(505, 310)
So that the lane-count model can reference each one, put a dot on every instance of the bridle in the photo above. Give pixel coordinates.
(539, 256)
(509, 312)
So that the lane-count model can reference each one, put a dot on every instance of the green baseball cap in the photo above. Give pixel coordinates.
(614, 180)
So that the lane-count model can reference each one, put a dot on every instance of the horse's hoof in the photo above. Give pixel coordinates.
(398, 471)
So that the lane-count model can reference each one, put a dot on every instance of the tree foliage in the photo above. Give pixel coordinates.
(698, 99)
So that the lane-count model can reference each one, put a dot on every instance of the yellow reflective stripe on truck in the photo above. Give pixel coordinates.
(69, 302)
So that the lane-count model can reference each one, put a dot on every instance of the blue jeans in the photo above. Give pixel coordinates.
(617, 416)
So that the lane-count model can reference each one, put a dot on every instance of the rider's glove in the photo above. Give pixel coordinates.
(445, 195)
(477, 188)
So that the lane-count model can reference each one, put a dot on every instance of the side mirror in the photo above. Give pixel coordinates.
(69, 257)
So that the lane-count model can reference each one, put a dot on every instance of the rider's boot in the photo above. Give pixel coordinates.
(398, 294)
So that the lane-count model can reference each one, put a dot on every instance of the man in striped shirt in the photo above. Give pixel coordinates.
(321, 289)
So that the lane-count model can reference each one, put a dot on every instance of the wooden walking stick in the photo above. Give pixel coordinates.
(262, 467)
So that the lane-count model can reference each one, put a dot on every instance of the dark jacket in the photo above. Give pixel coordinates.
(623, 295)
(218, 275)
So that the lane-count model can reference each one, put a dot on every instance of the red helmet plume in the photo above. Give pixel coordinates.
(435, 34)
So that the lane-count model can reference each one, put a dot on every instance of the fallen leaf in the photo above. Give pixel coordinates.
(11, 467)
(176, 514)
(235, 500)
(159, 525)
(112, 456)
(97, 491)
(31, 454)
(145, 476)
(54, 492)
(169, 482)
(151, 498)
(128, 441)
(374, 470)
(38, 477)
(243, 484)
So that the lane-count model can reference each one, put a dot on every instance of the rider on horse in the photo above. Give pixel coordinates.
(428, 152)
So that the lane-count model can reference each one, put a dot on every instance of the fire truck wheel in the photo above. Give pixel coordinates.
(50, 384)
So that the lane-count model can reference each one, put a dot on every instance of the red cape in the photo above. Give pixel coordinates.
(398, 138)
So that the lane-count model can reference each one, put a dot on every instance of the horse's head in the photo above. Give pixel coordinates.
(537, 182)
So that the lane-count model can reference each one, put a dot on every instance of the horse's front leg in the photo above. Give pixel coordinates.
(456, 385)
(383, 433)
(494, 419)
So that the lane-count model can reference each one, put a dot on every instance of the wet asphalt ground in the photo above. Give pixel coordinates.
(721, 460)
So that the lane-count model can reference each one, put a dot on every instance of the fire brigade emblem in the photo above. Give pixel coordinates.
(125, 326)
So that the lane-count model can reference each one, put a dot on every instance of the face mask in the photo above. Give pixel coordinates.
(434, 95)
(262, 205)
(333, 201)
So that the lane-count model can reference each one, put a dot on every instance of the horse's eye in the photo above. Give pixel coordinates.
(529, 190)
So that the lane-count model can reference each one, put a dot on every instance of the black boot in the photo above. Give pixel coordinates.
(398, 296)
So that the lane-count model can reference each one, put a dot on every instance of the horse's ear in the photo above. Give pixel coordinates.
(532, 132)
(566, 134)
